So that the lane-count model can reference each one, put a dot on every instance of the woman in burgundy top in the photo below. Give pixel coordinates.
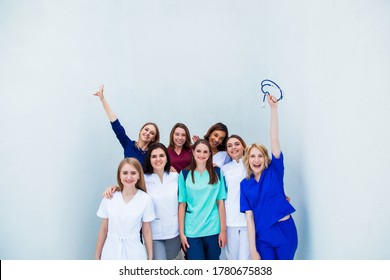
(179, 148)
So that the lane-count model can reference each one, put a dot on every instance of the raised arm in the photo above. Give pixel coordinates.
(110, 114)
(275, 145)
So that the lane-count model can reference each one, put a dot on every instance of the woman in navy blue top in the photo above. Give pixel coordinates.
(271, 230)
(148, 134)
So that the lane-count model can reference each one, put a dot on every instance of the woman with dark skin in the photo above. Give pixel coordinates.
(217, 136)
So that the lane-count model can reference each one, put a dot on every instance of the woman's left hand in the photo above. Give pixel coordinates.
(222, 239)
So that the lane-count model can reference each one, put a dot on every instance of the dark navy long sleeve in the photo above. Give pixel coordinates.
(130, 148)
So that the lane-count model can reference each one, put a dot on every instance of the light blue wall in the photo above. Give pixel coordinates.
(196, 62)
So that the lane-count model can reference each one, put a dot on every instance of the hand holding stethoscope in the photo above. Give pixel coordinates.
(276, 97)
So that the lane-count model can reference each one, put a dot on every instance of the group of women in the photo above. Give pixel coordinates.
(197, 197)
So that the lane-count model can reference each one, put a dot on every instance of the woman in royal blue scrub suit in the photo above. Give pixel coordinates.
(271, 229)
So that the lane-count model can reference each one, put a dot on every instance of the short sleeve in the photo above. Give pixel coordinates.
(227, 159)
(278, 164)
(102, 211)
(149, 214)
(182, 188)
(244, 203)
(222, 194)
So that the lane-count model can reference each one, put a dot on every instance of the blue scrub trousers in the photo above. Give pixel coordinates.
(279, 242)
(203, 248)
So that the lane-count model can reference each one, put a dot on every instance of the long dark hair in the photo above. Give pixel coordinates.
(148, 168)
(218, 126)
(209, 164)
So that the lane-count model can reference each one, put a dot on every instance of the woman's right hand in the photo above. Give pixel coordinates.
(195, 138)
(109, 192)
(272, 101)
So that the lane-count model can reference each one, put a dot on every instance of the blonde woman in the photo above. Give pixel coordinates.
(271, 229)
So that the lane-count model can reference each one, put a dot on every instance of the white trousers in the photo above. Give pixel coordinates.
(237, 247)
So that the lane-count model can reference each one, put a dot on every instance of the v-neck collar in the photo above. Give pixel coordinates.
(131, 199)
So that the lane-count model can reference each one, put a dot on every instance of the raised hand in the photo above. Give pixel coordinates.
(272, 101)
(195, 138)
(110, 113)
(100, 93)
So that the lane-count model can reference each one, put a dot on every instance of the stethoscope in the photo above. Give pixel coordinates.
(269, 83)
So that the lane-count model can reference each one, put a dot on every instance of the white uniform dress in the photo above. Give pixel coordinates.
(237, 247)
(165, 201)
(124, 225)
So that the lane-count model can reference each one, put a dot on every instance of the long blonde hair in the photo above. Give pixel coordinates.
(137, 165)
(263, 150)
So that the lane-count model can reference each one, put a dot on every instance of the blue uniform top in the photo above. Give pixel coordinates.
(266, 198)
(130, 149)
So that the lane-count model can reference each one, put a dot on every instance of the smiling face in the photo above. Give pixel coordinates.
(256, 160)
(128, 175)
(179, 137)
(201, 153)
(216, 138)
(148, 133)
(158, 159)
(234, 148)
